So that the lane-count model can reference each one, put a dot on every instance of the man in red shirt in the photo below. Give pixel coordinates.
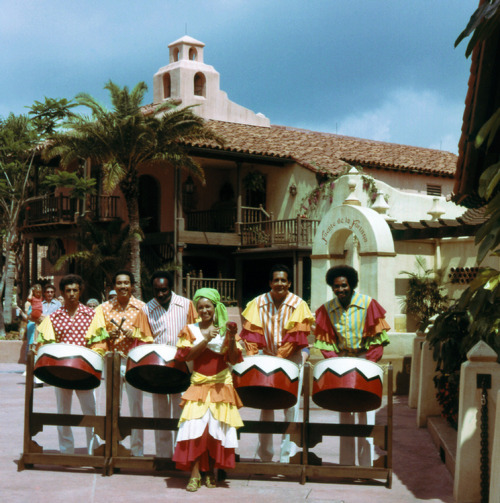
(69, 325)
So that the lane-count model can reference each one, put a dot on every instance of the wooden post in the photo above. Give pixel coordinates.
(238, 198)
(481, 367)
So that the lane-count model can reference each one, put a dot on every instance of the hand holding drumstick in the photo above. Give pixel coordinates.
(116, 332)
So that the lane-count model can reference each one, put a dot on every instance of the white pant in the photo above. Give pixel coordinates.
(134, 396)
(87, 403)
(166, 406)
(265, 449)
(362, 446)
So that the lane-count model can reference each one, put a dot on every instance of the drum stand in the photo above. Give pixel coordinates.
(381, 434)
(122, 427)
(35, 421)
(305, 464)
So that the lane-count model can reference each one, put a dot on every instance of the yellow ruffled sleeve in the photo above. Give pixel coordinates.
(185, 338)
(301, 317)
(97, 330)
(251, 314)
(46, 332)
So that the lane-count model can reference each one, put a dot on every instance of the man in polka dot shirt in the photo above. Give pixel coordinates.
(69, 325)
(120, 325)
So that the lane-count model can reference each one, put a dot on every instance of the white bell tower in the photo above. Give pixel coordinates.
(189, 80)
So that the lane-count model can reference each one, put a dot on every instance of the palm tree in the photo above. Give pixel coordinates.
(125, 139)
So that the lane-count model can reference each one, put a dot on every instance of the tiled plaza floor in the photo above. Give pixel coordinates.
(418, 474)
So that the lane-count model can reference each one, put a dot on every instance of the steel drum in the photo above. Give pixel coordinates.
(347, 384)
(153, 368)
(266, 382)
(68, 366)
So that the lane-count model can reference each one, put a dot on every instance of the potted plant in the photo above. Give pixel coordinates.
(425, 296)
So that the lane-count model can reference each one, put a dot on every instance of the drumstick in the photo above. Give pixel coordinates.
(120, 325)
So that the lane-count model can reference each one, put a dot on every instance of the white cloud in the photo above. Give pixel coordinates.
(411, 117)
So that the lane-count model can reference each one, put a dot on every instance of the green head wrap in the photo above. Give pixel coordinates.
(213, 296)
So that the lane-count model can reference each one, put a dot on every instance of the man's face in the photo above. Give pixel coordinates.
(123, 286)
(162, 291)
(71, 294)
(342, 290)
(280, 284)
(49, 294)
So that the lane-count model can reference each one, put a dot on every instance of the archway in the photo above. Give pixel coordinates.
(359, 237)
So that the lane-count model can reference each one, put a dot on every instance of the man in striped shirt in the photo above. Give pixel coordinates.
(277, 323)
(351, 324)
(167, 314)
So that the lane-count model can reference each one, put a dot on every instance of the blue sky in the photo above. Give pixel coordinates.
(378, 69)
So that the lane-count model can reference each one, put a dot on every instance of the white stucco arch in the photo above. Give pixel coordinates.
(374, 258)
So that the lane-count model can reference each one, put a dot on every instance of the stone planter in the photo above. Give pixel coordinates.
(10, 351)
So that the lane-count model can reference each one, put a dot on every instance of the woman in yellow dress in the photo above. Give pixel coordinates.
(207, 428)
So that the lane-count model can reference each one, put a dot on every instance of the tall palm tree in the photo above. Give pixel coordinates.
(125, 139)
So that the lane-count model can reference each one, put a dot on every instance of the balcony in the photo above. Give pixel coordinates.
(292, 232)
(57, 210)
(256, 229)
(225, 286)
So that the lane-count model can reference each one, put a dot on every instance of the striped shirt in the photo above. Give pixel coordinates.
(166, 324)
(349, 323)
(274, 320)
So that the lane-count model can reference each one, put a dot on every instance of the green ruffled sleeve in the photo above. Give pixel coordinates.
(380, 339)
(97, 330)
(326, 346)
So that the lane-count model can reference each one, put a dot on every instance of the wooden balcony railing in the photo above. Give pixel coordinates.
(211, 220)
(51, 209)
(104, 207)
(223, 220)
(226, 287)
(64, 209)
(291, 232)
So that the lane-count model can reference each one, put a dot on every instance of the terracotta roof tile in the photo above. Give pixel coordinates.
(333, 152)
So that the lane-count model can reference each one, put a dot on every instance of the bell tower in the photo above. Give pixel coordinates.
(188, 80)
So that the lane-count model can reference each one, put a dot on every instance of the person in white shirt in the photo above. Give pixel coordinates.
(167, 314)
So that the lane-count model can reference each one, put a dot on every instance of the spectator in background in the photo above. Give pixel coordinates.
(92, 303)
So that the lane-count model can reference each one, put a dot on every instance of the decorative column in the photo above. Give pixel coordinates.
(427, 404)
(416, 358)
(481, 367)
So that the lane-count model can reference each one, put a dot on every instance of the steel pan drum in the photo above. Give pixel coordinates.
(266, 382)
(68, 366)
(347, 384)
(153, 368)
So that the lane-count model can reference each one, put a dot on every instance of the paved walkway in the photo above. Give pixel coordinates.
(418, 475)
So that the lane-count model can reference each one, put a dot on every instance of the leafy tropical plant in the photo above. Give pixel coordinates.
(102, 250)
(475, 316)
(126, 139)
(20, 139)
(425, 296)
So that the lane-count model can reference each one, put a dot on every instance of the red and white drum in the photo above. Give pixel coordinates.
(68, 366)
(347, 384)
(153, 368)
(266, 382)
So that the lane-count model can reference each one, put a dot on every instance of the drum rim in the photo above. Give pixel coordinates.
(95, 359)
(377, 369)
(292, 372)
(137, 353)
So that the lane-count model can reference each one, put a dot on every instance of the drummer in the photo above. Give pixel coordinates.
(351, 324)
(167, 314)
(277, 323)
(119, 326)
(68, 325)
